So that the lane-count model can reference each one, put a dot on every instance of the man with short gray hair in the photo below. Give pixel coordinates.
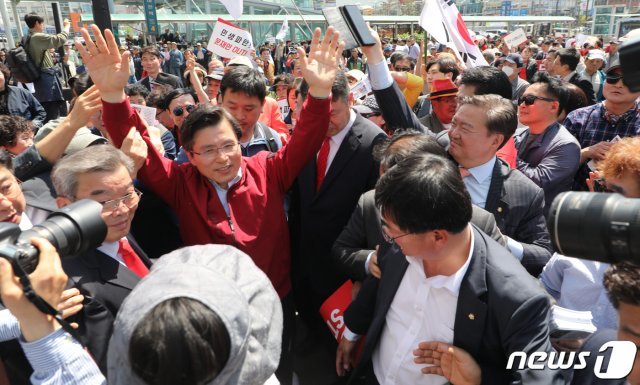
(106, 275)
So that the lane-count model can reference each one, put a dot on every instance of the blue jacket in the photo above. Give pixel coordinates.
(175, 58)
(22, 103)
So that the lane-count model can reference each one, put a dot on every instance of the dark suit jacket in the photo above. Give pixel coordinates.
(432, 122)
(515, 201)
(585, 86)
(105, 283)
(163, 78)
(510, 313)
(317, 218)
(518, 206)
(363, 233)
(592, 345)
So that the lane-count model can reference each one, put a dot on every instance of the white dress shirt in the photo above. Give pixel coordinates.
(111, 249)
(222, 192)
(478, 184)
(423, 309)
(336, 141)
(479, 181)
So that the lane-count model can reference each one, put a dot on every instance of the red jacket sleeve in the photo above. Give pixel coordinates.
(308, 134)
(158, 173)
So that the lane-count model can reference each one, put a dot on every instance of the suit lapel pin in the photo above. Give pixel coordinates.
(472, 316)
(499, 209)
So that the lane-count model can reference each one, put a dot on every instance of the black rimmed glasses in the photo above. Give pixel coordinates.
(178, 111)
(389, 238)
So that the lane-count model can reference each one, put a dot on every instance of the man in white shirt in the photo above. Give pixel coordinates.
(105, 275)
(457, 295)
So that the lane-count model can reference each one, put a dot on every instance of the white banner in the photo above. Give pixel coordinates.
(515, 38)
(229, 41)
(234, 7)
(361, 88)
(443, 21)
(284, 30)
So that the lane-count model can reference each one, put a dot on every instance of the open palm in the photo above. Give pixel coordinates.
(108, 69)
(321, 67)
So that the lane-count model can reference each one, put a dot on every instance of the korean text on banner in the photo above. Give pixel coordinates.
(443, 21)
(229, 41)
(151, 17)
(515, 38)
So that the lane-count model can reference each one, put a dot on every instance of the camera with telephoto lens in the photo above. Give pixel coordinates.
(597, 226)
(72, 230)
(629, 57)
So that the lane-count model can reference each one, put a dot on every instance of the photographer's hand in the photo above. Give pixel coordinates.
(48, 281)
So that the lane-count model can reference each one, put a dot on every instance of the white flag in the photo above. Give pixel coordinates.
(284, 30)
(443, 21)
(234, 7)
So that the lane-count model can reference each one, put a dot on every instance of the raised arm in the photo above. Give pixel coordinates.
(319, 71)
(395, 109)
(110, 72)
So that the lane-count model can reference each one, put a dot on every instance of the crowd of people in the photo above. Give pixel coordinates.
(264, 186)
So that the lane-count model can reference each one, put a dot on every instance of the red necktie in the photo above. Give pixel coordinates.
(131, 259)
(321, 162)
(464, 172)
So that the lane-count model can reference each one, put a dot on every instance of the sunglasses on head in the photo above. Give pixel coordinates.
(614, 78)
(178, 111)
(530, 99)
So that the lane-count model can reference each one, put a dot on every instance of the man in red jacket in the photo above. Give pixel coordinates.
(219, 196)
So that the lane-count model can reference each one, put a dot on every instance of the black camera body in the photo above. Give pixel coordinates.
(629, 58)
(72, 230)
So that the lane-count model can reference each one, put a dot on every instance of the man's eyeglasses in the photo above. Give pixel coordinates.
(130, 200)
(403, 69)
(530, 99)
(227, 149)
(178, 111)
(370, 115)
(614, 79)
(389, 238)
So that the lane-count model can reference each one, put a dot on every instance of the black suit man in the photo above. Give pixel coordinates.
(151, 60)
(457, 288)
(325, 194)
(515, 201)
(363, 233)
(105, 283)
(164, 79)
(106, 275)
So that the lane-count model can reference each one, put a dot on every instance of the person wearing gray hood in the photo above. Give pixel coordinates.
(204, 315)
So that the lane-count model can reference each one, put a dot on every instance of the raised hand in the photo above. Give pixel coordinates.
(108, 69)
(448, 361)
(320, 68)
(374, 52)
(85, 106)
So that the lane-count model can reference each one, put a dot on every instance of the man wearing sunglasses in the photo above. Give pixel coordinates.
(547, 153)
(596, 126)
(484, 127)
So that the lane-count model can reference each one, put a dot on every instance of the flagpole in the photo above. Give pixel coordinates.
(302, 17)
